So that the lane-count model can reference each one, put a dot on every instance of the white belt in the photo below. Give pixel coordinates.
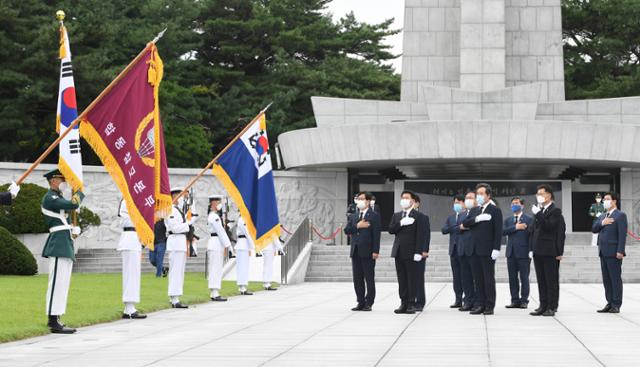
(65, 227)
(61, 215)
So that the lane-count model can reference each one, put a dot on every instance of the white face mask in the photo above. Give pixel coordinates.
(607, 204)
(361, 204)
(540, 199)
(373, 203)
(405, 203)
(598, 200)
(480, 199)
(180, 202)
(219, 207)
(355, 201)
(469, 204)
(63, 187)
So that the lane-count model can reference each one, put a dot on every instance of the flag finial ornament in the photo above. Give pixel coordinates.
(60, 15)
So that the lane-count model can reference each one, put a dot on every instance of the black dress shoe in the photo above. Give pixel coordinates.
(488, 311)
(513, 305)
(218, 299)
(537, 312)
(246, 293)
(465, 308)
(358, 308)
(135, 315)
(549, 313)
(419, 309)
(605, 309)
(411, 310)
(614, 310)
(165, 271)
(178, 305)
(477, 311)
(401, 309)
(456, 305)
(270, 288)
(57, 328)
(366, 308)
(524, 305)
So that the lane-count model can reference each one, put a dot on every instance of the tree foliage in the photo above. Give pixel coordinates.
(602, 48)
(224, 61)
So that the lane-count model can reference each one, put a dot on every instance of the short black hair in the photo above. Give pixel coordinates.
(547, 188)
(417, 199)
(470, 192)
(614, 196)
(486, 187)
(411, 193)
(458, 197)
(518, 198)
(367, 195)
(373, 197)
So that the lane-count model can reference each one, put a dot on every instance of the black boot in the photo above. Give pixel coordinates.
(57, 328)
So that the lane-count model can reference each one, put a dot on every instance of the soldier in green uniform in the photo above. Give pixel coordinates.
(59, 248)
(595, 211)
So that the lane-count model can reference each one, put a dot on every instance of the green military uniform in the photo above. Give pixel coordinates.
(595, 210)
(59, 243)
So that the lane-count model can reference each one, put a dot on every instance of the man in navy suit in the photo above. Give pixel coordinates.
(518, 254)
(408, 226)
(465, 251)
(612, 234)
(547, 243)
(364, 228)
(452, 228)
(485, 224)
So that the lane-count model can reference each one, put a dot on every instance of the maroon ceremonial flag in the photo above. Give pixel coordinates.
(123, 127)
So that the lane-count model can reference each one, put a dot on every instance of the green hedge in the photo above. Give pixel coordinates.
(24, 215)
(15, 258)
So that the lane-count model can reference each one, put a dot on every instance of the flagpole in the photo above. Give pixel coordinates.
(208, 166)
(75, 122)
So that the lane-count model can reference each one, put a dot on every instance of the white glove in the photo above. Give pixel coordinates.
(531, 254)
(14, 189)
(598, 215)
(76, 231)
(535, 209)
(495, 254)
(406, 221)
(483, 218)
(417, 257)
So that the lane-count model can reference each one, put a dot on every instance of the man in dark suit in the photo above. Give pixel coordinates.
(364, 228)
(612, 234)
(485, 224)
(408, 227)
(421, 297)
(465, 252)
(452, 228)
(6, 198)
(547, 243)
(516, 229)
(375, 207)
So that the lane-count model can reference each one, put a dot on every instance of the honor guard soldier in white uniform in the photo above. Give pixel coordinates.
(131, 249)
(59, 248)
(177, 229)
(216, 248)
(268, 254)
(244, 245)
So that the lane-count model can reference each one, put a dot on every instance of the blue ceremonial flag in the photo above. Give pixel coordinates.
(245, 171)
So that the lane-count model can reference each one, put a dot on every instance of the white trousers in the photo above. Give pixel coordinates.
(594, 239)
(131, 276)
(177, 263)
(60, 269)
(242, 267)
(216, 260)
(267, 268)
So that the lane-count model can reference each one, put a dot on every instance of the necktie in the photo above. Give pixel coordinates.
(516, 219)
(404, 214)
(361, 215)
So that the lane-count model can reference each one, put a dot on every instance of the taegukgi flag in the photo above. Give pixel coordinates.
(70, 160)
(246, 173)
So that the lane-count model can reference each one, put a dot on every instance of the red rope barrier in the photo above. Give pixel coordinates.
(331, 236)
(632, 235)
(285, 230)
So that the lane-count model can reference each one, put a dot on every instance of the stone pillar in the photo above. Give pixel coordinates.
(482, 45)
(630, 196)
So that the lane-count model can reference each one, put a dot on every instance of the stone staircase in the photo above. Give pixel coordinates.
(580, 265)
(109, 261)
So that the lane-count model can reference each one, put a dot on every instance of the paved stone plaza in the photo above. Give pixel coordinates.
(311, 324)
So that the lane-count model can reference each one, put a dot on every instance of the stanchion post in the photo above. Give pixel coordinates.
(341, 235)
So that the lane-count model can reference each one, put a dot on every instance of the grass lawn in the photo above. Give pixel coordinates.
(93, 299)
